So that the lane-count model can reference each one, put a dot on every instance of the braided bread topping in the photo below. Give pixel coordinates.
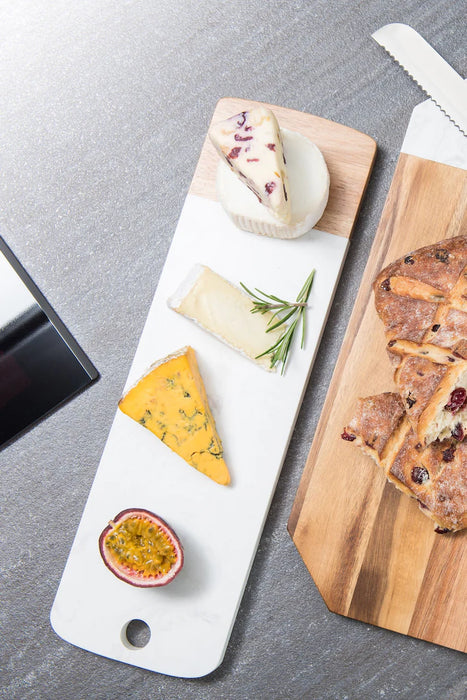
(422, 300)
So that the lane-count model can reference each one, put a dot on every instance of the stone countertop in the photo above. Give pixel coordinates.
(96, 101)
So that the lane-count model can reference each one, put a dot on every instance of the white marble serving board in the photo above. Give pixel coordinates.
(432, 135)
(255, 410)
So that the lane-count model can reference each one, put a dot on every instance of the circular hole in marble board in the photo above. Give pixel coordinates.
(136, 634)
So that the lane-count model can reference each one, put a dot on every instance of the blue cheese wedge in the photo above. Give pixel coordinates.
(308, 187)
(250, 144)
(170, 400)
(224, 310)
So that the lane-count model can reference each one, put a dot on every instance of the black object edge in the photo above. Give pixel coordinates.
(61, 329)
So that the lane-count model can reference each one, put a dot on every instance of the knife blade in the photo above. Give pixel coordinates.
(432, 73)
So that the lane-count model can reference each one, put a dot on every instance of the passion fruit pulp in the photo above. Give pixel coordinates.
(141, 549)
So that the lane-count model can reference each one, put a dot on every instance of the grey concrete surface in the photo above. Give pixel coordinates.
(104, 106)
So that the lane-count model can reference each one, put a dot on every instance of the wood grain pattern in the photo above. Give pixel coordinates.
(349, 155)
(373, 555)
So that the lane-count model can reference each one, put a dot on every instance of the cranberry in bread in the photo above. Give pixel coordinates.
(435, 475)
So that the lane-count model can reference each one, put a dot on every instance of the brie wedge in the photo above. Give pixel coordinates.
(308, 189)
(225, 311)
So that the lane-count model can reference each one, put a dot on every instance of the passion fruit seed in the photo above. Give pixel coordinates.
(141, 546)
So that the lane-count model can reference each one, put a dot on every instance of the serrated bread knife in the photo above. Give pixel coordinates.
(434, 75)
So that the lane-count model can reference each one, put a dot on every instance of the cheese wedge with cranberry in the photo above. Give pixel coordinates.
(251, 145)
(308, 179)
(170, 400)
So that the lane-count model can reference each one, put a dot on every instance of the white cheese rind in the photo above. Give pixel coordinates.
(250, 143)
(308, 178)
(224, 310)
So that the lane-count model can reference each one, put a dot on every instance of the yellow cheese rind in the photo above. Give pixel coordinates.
(170, 400)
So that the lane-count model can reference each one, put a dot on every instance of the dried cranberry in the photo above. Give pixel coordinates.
(386, 285)
(348, 436)
(270, 187)
(458, 432)
(456, 400)
(442, 255)
(419, 475)
(271, 146)
(242, 119)
(448, 454)
(234, 152)
(435, 328)
(409, 260)
(237, 137)
(442, 530)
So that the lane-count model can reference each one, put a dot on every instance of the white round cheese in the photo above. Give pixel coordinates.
(308, 191)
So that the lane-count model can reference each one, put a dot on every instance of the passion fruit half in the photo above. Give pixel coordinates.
(141, 549)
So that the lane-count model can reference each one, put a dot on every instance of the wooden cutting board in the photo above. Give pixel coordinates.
(372, 553)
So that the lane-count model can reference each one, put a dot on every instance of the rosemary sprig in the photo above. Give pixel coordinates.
(283, 311)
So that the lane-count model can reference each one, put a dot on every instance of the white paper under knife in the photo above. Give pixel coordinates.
(434, 75)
